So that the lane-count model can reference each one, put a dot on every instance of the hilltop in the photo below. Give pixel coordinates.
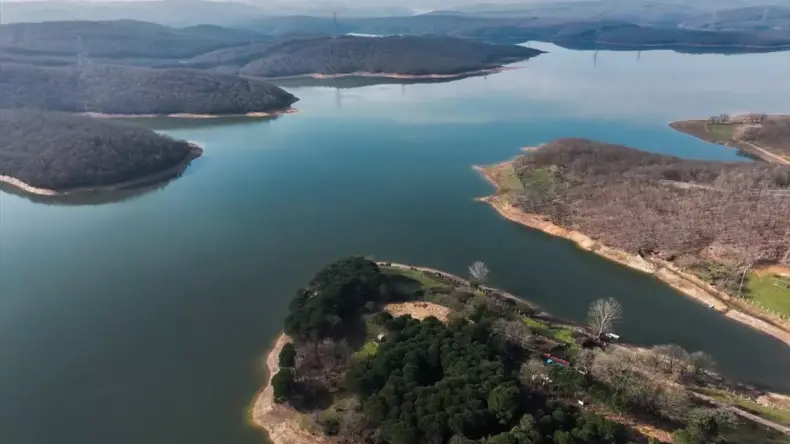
(408, 55)
(133, 90)
(50, 153)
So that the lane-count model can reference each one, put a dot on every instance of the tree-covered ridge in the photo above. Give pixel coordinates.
(117, 39)
(429, 383)
(61, 152)
(408, 55)
(132, 90)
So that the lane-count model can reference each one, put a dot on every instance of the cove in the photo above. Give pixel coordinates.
(141, 316)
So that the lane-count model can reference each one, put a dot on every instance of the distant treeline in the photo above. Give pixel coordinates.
(401, 55)
(132, 90)
(62, 151)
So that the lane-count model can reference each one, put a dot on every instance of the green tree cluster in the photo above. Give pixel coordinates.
(334, 299)
(434, 383)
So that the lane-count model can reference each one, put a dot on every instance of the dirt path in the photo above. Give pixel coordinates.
(459, 279)
(664, 271)
(280, 422)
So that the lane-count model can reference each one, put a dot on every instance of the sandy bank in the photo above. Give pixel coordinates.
(169, 173)
(258, 114)
(385, 75)
(280, 422)
(668, 273)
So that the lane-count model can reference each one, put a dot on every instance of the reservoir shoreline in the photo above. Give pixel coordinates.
(671, 275)
(195, 152)
(255, 114)
(383, 75)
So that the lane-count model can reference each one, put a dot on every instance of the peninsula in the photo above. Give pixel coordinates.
(712, 230)
(399, 56)
(392, 353)
(53, 153)
(129, 90)
(759, 135)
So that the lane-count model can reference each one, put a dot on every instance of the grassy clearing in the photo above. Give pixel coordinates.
(543, 180)
(720, 132)
(368, 349)
(558, 333)
(750, 433)
(505, 176)
(425, 281)
(776, 415)
(770, 290)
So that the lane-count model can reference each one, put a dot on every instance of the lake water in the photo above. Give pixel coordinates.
(140, 317)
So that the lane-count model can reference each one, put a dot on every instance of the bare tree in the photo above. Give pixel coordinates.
(699, 362)
(478, 271)
(602, 315)
(673, 356)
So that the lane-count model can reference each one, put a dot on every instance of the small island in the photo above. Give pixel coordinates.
(128, 91)
(378, 352)
(759, 135)
(715, 231)
(398, 56)
(54, 154)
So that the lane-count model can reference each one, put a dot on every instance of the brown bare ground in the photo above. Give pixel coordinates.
(676, 278)
(419, 310)
(280, 422)
(773, 269)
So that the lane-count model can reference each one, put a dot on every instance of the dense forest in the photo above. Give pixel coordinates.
(555, 29)
(132, 90)
(120, 39)
(401, 55)
(685, 210)
(62, 152)
(470, 379)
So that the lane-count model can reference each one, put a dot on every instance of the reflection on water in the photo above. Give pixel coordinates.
(362, 81)
(88, 198)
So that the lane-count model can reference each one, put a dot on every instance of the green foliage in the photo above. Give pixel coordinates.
(283, 385)
(770, 290)
(333, 299)
(287, 356)
(429, 382)
(381, 318)
(503, 402)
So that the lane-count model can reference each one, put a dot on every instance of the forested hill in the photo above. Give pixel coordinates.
(61, 152)
(410, 55)
(132, 90)
(117, 39)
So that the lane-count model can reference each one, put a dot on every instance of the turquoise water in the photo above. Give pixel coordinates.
(140, 317)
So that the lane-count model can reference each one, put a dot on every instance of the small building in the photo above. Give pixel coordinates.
(381, 337)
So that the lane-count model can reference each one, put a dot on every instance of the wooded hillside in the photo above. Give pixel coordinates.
(61, 151)
(131, 90)
(401, 55)
(687, 210)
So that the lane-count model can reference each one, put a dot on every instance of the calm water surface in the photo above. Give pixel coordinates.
(139, 317)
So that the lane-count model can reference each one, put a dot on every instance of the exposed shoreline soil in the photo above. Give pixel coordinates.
(258, 114)
(280, 422)
(386, 75)
(698, 129)
(666, 272)
(169, 173)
